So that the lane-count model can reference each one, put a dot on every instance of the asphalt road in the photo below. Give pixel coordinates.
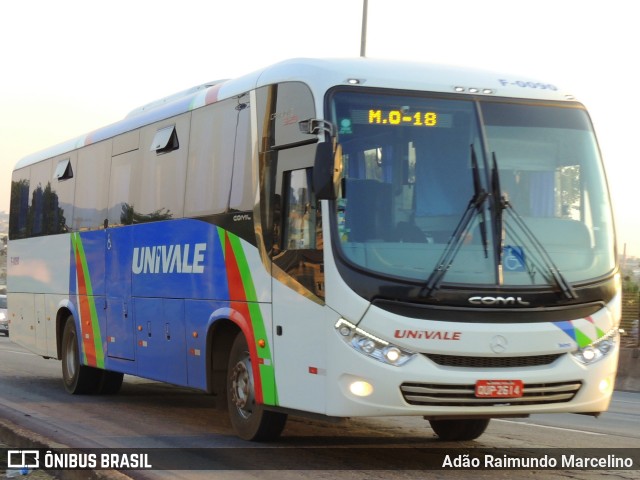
(152, 415)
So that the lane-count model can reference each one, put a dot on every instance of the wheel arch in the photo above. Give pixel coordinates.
(65, 310)
(220, 336)
(224, 325)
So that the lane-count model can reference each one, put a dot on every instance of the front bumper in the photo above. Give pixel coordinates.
(424, 388)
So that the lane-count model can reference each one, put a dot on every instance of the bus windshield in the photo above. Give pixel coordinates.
(419, 183)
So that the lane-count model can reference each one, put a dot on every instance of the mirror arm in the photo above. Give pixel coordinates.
(314, 126)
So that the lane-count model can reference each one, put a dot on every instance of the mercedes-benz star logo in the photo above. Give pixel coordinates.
(498, 344)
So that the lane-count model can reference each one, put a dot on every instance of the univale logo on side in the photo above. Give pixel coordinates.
(169, 259)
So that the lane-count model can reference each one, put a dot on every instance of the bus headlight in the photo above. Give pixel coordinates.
(598, 349)
(372, 346)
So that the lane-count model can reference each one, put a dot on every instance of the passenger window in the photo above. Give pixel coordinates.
(165, 140)
(44, 217)
(242, 194)
(158, 192)
(210, 162)
(63, 170)
(60, 204)
(123, 170)
(19, 212)
(91, 197)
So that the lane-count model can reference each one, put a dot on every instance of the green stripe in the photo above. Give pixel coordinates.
(582, 339)
(243, 267)
(95, 325)
(74, 243)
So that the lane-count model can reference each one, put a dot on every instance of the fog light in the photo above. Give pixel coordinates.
(605, 386)
(360, 388)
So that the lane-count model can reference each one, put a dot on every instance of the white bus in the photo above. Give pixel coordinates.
(329, 237)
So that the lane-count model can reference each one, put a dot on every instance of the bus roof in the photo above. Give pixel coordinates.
(320, 75)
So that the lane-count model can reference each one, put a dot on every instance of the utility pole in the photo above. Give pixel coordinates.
(363, 38)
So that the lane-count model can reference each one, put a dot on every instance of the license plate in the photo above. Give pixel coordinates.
(499, 388)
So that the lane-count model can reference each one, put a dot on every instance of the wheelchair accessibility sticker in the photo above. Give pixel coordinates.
(513, 259)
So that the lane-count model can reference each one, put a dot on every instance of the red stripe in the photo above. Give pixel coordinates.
(243, 319)
(212, 94)
(85, 314)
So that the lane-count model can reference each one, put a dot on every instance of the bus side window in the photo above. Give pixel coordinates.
(46, 216)
(301, 242)
(210, 159)
(19, 204)
(242, 195)
(159, 192)
(299, 218)
(91, 197)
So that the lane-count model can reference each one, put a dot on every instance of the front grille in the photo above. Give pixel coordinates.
(443, 395)
(492, 362)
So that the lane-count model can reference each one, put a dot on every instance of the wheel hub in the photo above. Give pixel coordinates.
(70, 357)
(242, 388)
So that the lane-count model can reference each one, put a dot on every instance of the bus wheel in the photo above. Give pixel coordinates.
(77, 378)
(110, 382)
(250, 420)
(459, 430)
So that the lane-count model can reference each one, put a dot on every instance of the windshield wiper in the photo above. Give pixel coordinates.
(499, 204)
(475, 207)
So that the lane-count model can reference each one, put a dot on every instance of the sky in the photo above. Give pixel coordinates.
(70, 66)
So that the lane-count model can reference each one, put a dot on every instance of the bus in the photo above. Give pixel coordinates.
(333, 238)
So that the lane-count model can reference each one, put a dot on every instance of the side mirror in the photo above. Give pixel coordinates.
(326, 171)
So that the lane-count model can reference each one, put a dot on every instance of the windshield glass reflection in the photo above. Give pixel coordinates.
(409, 176)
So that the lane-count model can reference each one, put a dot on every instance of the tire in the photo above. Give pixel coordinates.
(459, 430)
(78, 379)
(110, 382)
(249, 420)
